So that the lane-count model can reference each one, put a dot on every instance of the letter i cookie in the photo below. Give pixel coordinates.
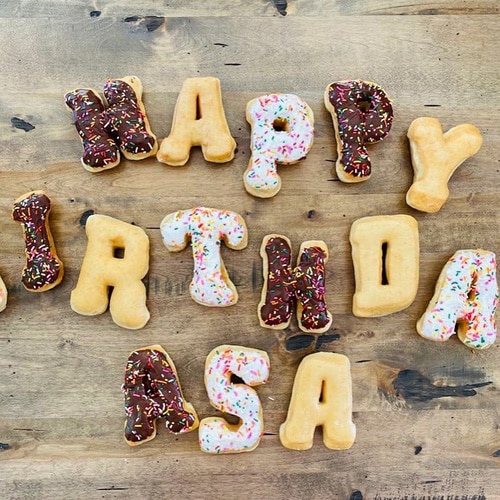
(43, 270)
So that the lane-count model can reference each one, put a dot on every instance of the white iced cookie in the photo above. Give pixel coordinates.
(465, 301)
(206, 228)
(250, 365)
(282, 132)
(3, 295)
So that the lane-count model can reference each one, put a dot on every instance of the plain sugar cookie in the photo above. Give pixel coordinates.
(117, 257)
(385, 254)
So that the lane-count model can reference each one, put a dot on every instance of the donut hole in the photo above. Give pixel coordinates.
(119, 252)
(198, 108)
(280, 125)
(322, 398)
(235, 379)
(383, 278)
(364, 103)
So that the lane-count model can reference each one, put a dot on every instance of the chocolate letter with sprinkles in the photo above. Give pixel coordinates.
(361, 114)
(285, 286)
(126, 118)
(123, 126)
(206, 228)
(44, 270)
(152, 390)
(100, 151)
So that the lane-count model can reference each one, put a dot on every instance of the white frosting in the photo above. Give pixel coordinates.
(271, 146)
(206, 227)
(252, 366)
(467, 294)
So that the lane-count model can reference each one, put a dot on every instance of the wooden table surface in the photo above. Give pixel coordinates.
(427, 414)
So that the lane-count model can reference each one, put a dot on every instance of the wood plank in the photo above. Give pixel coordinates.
(149, 11)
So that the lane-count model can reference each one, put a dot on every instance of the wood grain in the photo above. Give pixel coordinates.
(427, 414)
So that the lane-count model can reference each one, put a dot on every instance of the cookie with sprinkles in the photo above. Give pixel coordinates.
(152, 391)
(282, 133)
(126, 118)
(118, 126)
(252, 366)
(205, 228)
(100, 151)
(362, 114)
(287, 287)
(464, 301)
(44, 269)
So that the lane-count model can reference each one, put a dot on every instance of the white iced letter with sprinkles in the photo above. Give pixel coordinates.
(206, 228)
(465, 301)
(321, 396)
(216, 435)
(282, 132)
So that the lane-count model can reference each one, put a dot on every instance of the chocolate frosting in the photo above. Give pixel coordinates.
(99, 148)
(151, 391)
(124, 119)
(364, 115)
(287, 285)
(43, 267)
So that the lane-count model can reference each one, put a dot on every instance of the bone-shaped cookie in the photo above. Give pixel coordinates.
(206, 228)
(435, 157)
(43, 270)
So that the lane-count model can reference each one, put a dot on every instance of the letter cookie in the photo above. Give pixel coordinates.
(362, 114)
(43, 270)
(117, 256)
(321, 396)
(3, 295)
(252, 366)
(385, 253)
(435, 157)
(199, 120)
(465, 301)
(100, 151)
(123, 126)
(285, 286)
(152, 390)
(282, 132)
(206, 228)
